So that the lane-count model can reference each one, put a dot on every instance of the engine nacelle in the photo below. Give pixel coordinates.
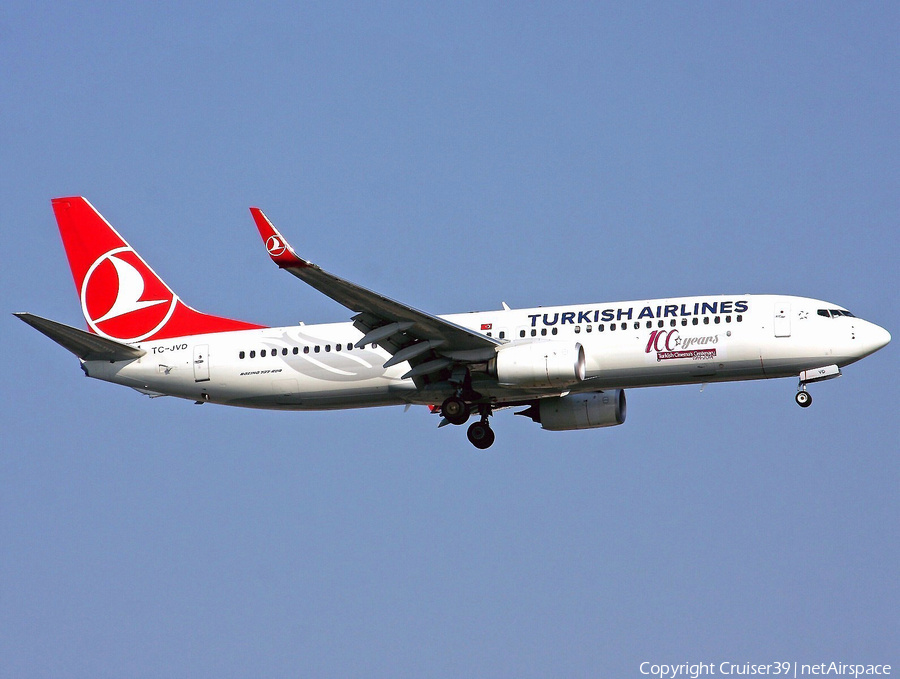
(579, 411)
(541, 363)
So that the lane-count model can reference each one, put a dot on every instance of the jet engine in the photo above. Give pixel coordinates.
(538, 364)
(579, 411)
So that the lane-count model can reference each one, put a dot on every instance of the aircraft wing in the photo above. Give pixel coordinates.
(429, 342)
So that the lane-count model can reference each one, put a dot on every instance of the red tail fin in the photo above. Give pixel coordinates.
(121, 296)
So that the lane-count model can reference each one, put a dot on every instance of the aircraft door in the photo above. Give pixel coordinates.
(201, 363)
(782, 319)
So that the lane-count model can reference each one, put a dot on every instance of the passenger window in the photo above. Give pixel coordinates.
(305, 350)
(637, 325)
(706, 320)
(327, 347)
(262, 354)
(739, 318)
(672, 322)
(521, 333)
(683, 321)
(253, 354)
(649, 324)
(241, 355)
(337, 347)
(588, 329)
(717, 319)
(612, 327)
(577, 329)
(728, 319)
(488, 333)
(544, 332)
(502, 334)
(349, 346)
(284, 352)
(554, 331)
(600, 328)
(317, 348)
(695, 321)
(661, 323)
(533, 332)
(296, 350)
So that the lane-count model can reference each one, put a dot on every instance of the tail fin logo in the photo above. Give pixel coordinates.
(123, 299)
(275, 246)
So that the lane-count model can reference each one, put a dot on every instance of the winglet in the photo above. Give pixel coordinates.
(278, 248)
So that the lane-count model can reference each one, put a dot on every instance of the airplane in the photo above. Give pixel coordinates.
(567, 366)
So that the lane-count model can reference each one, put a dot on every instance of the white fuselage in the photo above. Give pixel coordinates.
(626, 344)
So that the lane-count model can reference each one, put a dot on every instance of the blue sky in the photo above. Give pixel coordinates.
(454, 157)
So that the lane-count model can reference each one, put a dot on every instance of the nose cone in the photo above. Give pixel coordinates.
(874, 338)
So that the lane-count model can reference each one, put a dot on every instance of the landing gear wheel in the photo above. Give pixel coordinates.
(480, 435)
(803, 399)
(455, 410)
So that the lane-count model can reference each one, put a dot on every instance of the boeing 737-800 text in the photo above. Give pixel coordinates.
(568, 366)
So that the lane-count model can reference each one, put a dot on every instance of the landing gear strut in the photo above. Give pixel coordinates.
(480, 433)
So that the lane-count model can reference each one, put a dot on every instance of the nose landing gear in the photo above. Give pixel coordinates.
(826, 372)
(803, 397)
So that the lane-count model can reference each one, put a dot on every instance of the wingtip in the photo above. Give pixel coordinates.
(68, 199)
(278, 248)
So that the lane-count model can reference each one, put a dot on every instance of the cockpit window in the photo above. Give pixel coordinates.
(834, 313)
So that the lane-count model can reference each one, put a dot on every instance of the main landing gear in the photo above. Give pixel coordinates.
(480, 435)
(457, 411)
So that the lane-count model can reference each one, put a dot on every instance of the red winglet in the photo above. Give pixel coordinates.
(278, 248)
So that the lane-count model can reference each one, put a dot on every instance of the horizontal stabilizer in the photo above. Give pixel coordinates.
(84, 345)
